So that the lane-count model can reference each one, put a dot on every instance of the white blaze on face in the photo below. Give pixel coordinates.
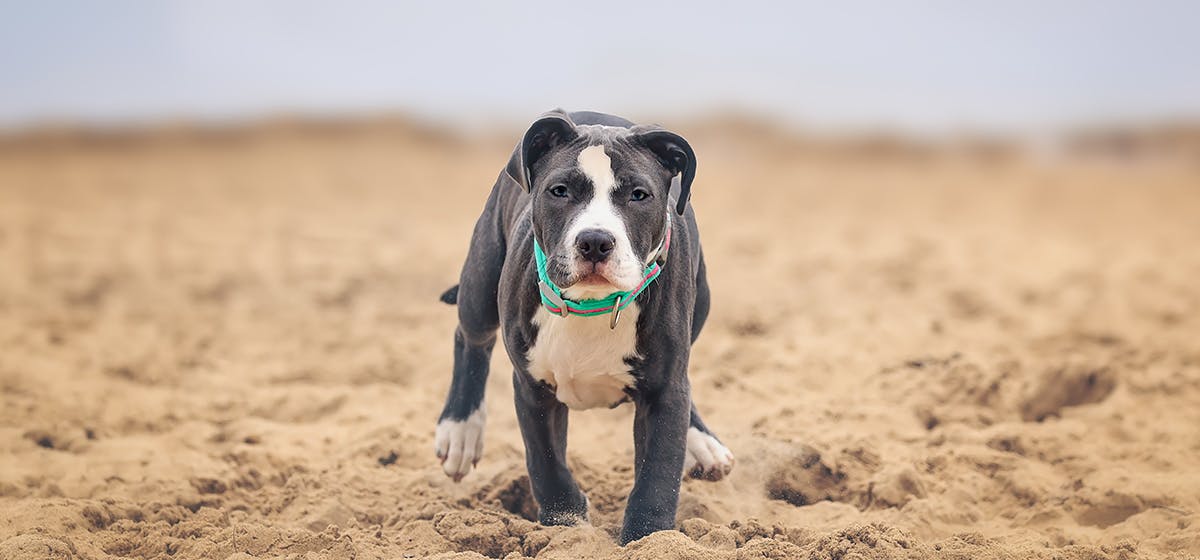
(622, 267)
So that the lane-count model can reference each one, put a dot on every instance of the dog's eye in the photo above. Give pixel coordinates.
(639, 194)
(559, 190)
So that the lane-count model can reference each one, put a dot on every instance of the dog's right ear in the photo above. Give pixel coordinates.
(550, 130)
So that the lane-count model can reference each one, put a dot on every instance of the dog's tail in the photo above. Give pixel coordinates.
(450, 296)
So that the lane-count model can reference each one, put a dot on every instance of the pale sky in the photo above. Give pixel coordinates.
(925, 66)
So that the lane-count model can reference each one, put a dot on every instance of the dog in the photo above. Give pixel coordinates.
(588, 251)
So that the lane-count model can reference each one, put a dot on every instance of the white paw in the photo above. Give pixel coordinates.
(459, 444)
(706, 458)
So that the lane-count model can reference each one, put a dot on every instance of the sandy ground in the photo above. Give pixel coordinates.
(232, 348)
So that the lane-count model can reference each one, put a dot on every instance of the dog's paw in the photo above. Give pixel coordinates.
(459, 444)
(706, 458)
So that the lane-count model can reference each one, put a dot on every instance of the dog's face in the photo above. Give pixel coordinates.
(599, 210)
(601, 201)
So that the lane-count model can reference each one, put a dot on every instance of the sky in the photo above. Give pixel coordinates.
(922, 66)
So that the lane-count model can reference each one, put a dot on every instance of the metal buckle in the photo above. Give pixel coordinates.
(554, 298)
(616, 314)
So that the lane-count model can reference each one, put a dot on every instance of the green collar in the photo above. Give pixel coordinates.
(614, 303)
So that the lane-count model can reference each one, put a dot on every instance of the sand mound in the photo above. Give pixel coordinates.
(231, 348)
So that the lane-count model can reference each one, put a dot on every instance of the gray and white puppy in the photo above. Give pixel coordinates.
(603, 197)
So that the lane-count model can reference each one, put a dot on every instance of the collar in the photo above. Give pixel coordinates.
(613, 303)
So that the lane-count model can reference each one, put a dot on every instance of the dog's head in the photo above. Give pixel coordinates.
(601, 198)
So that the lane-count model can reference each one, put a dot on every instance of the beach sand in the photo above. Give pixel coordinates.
(229, 345)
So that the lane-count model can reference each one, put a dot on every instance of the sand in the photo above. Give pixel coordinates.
(229, 345)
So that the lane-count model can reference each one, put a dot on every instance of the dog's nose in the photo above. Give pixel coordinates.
(595, 244)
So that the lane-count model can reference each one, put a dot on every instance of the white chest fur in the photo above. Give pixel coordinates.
(582, 358)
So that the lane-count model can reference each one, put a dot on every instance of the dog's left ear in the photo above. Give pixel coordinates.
(675, 154)
(551, 129)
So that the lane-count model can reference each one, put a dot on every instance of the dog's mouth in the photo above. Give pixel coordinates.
(592, 275)
(580, 279)
(584, 279)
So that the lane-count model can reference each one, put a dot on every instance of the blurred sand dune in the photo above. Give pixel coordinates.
(226, 343)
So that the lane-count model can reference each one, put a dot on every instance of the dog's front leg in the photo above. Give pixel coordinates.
(458, 440)
(543, 421)
(660, 443)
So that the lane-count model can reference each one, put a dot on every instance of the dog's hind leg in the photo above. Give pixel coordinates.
(543, 421)
(707, 458)
(458, 440)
